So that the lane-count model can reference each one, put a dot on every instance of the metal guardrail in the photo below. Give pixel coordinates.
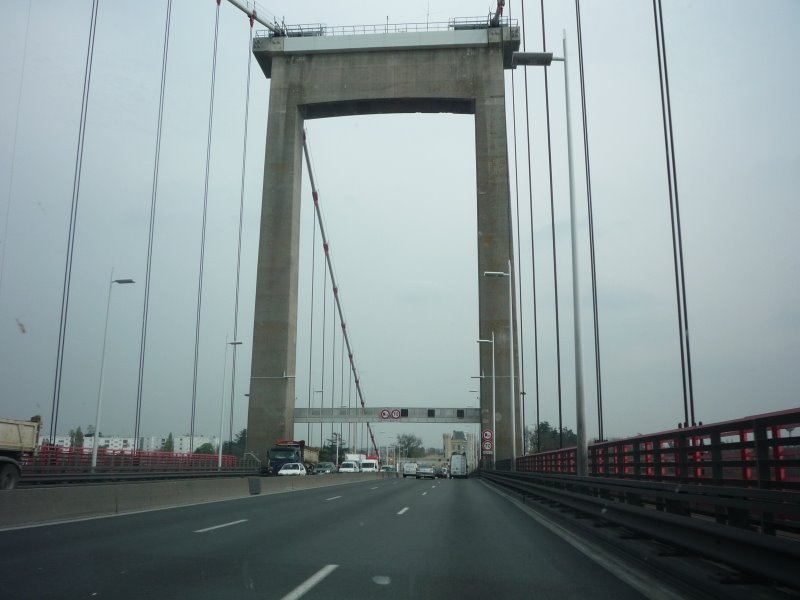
(755, 531)
(55, 464)
(757, 451)
(119, 476)
(321, 29)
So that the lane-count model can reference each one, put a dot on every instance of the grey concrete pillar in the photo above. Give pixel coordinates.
(325, 76)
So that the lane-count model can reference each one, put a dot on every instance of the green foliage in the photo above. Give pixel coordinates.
(206, 448)
(547, 438)
(410, 445)
(76, 437)
(238, 446)
(169, 444)
(328, 451)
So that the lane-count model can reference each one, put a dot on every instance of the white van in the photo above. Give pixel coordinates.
(370, 466)
(349, 467)
(409, 469)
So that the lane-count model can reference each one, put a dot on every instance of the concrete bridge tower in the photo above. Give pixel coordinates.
(457, 69)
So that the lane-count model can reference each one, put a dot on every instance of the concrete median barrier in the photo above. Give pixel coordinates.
(27, 506)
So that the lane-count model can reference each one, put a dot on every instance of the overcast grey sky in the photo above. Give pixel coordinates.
(398, 193)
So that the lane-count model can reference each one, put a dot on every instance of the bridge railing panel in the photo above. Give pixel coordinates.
(757, 451)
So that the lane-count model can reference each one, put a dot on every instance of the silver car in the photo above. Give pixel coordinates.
(426, 470)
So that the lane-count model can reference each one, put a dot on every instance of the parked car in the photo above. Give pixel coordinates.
(442, 472)
(349, 467)
(388, 469)
(325, 467)
(292, 469)
(426, 470)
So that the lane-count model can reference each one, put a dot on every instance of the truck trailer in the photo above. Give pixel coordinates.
(16, 439)
(290, 451)
(458, 465)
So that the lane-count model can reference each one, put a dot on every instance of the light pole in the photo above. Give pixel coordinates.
(510, 276)
(222, 402)
(321, 404)
(111, 282)
(544, 59)
(494, 407)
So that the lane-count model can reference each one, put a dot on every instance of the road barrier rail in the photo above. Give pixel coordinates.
(54, 464)
(757, 451)
(754, 530)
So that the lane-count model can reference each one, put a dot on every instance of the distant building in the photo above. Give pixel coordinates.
(148, 444)
(459, 442)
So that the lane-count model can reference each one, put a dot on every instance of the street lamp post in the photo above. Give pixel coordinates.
(544, 59)
(111, 282)
(222, 402)
(510, 276)
(494, 407)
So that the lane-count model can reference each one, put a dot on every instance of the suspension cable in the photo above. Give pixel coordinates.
(552, 217)
(4, 240)
(677, 246)
(519, 249)
(322, 344)
(203, 230)
(533, 251)
(333, 368)
(591, 225)
(151, 230)
(343, 322)
(241, 218)
(311, 321)
(73, 217)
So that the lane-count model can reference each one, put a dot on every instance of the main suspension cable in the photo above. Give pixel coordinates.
(241, 219)
(151, 230)
(203, 230)
(552, 220)
(4, 240)
(343, 322)
(591, 226)
(677, 247)
(519, 248)
(533, 252)
(73, 217)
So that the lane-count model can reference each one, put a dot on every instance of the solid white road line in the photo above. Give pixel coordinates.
(332, 498)
(220, 526)
(374, 488)
(402, 511)
(309, 583)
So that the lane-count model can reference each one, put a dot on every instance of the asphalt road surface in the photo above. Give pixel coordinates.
(389, 538)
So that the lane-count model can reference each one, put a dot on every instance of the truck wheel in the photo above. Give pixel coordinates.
(8, 477)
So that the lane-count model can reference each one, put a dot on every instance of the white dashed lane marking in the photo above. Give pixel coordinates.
(220, 526)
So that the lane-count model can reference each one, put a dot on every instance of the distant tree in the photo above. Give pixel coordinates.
(89, 431)
(169, 444)
(432, 450)
(76, 437)
(328, 451)
(238, 446)
(410, 445)
(547, 438)
(207, 448)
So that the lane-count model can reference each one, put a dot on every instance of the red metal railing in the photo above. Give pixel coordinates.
(49, 459)
(757, 451)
